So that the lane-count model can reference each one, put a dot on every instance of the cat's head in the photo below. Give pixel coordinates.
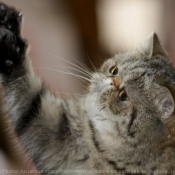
(131, 97)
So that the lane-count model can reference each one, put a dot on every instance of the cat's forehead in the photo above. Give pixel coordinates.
(123, 58)
(125, 62)
(133, 57)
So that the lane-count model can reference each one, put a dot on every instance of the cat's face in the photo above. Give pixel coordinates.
(131, 96)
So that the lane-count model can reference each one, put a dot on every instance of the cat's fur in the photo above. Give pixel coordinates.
(98, 133)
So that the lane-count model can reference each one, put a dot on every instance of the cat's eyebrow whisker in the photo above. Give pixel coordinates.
(64, 60)
(91, 62)
(69, 73)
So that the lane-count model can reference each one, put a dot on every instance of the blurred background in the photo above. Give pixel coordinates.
(84, 33)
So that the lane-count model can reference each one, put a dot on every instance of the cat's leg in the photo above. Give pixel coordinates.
(22, 88)
(40, 120)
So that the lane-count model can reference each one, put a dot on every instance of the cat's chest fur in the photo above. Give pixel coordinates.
(123, 156)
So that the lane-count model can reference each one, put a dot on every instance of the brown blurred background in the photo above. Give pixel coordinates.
(62, 31)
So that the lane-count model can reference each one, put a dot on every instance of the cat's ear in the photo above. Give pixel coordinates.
(165, 102)
(153, 46)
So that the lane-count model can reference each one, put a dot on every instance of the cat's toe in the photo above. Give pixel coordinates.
(10, 18)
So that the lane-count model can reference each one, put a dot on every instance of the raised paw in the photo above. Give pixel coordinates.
(10, 18)
(12, 45)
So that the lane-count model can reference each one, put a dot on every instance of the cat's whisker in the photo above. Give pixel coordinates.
(83, 72)
(81, 64)
(64, 60)
(67, 93)
(68, 73)
(79, 79)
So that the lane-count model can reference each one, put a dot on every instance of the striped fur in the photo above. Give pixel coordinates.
(99, 133)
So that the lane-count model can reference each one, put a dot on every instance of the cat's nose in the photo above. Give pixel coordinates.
(116, 81)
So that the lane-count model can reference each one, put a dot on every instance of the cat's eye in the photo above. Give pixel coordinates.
(113, 70)
(122, 95)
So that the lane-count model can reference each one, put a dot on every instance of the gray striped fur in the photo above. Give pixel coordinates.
(98, 133)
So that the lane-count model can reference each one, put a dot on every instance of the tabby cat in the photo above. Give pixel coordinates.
(124, 124)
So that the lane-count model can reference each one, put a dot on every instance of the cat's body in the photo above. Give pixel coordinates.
(124, 124)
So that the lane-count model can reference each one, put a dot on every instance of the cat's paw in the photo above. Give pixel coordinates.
(10, 18)
(12, 45)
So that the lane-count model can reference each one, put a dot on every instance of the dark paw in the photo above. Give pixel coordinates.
(12, 45)
(10, 18)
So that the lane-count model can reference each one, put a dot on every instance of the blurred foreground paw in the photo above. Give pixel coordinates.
(12, 45)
